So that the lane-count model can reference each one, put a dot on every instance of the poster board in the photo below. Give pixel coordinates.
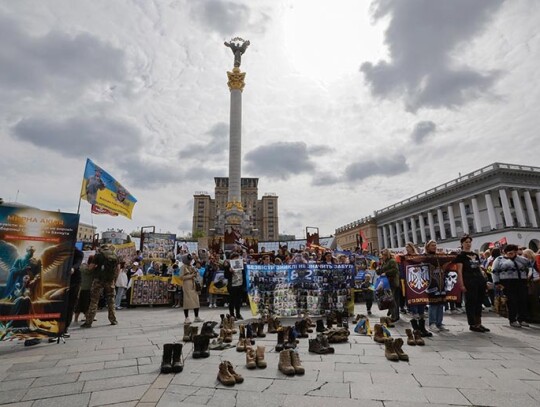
(36, 254)
(150, 290)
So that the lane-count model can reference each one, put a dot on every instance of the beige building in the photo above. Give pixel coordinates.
(263, 213)
(86, 233)
(362, 231)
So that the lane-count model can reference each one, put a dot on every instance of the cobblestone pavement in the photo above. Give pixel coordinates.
(119, 366)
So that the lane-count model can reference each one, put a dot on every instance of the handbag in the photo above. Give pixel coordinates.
(385, 299)
(198, 286)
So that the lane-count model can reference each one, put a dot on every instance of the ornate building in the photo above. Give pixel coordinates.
(495, 203)
(262, 213)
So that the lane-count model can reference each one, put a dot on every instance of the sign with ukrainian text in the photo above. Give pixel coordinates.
(36, 254)
(105, 193)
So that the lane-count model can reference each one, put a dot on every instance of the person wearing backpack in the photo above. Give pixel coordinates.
(105, 268)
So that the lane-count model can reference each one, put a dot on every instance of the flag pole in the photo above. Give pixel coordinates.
(81, 193)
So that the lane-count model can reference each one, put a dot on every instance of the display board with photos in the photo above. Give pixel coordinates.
(295, 289)
(150, 290)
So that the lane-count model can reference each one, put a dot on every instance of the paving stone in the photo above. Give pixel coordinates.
(514, 373)
(64, 401)
(11, 396)
(335, 390)
(388, 391)
(102, 374)
(37, 373)
(120, 363)
(86, 367)
(89, 359)
(312, 401)
(224, 397)
(450, 396)
(118, 382)
(35, 393)
(162, 381)
(19, 404)
(16, 384)
(479, 397)
(451, 382)
(118, 395)
(19, 367)
(152, 395)
(250, 399)
(288, 386)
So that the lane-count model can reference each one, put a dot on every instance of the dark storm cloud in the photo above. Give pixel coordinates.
(384, 166)
(421, 37)
(279, 160)
(79, 136)
(217, 145)
(54, 61)
(422, 130)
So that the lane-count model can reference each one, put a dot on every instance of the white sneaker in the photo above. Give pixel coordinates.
(523, 323)
(434, 328)
(187, 321)
(197, 319)
(442, 328)
(515, 324)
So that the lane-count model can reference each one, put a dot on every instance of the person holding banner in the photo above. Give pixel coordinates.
(389, 269)
(436, 290)
(473, 283)
(236, 284)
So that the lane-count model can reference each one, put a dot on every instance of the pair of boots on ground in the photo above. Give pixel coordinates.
(172, 361)
(286, 338)
(190, 331)
(393, 350)
(227, 375)
(255, 357)
(338, 318)
(200, 342)
(289, 363)
(246, 337)
(320, 345)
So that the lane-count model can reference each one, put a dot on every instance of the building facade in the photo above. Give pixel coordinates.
(85, 233)
(362, 232)
(263, 213)
(500, 202)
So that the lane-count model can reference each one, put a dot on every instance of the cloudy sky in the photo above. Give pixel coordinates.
(347, 108)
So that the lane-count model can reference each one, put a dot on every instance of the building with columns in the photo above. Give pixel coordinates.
(499, 201)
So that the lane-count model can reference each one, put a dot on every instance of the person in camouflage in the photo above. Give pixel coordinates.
(105, 267)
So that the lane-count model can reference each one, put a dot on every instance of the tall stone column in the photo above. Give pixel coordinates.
(519, 209)
(431, 224)
(464, 221)
(476, 215)
(491, 211)
(236, 86)
(530, 209)
(422, 228)
(398, 235)
(452, 220)
(508, 220)
(385, 237)
(441, 223)
(405, 231)
(413, 230)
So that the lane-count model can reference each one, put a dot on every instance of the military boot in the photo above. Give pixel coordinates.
(323, 339)
(387, 321)
(389, 350)
(320, 326)
(177, 358)
(280, 341)
(251, 357)
(260, 329)
(224, 376)
(410, 337)
(208, 329)
(418, 338)
(290, 338)
(250, 334)
(301, 328)
(271, 327)
(296, 364)
(227, 336)
(242, 343)
(166, 365)
(378, 334)
(422, 328)
(222, 318)
(187, 333)
(237, 377)
(200, 346)
(259, 357)
(284, 365)
(398, 348)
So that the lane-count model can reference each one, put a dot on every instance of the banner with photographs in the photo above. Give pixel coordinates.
(431, 279)
(158, 247)
(126, 252)
(36, 254)
(150, 290)
(294, 289)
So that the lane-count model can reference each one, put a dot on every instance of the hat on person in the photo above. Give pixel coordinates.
(135, 263)
(186, 259)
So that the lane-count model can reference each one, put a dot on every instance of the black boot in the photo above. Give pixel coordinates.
(414, 324)
(166, 366)
(320, 326)
(177, 358)
(290, 338)
(208, 329)
(422, 328)
(222, 316)
(249, 334)
(200, 346)
(280, 341)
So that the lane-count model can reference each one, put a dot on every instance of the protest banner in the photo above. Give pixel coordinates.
(158, 247)
(126, 252)
(36, 254)
(150, 290)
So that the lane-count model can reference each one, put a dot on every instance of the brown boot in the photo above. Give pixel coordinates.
(410, 337)
(227, 336)
(258, 328)
(188, 335)
(284, 364)
(237, 377)
(224, 376)
(259, 357)
(378, 335)
(296, 364)
(241, 346)
(398, 344)
(418, 338)
(389, 350)
(250, 358)
(387, 321)
(310, 324)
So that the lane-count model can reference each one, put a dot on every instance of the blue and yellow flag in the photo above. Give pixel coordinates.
(104, 192)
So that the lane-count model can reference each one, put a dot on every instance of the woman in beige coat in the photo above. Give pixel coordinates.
(189, 274)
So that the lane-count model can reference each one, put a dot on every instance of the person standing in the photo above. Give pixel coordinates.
(510, 274)
(87, 277)
(74, 285)
(437, 276)
(189, 274)
(473, 284)
(389, 269)
(105, 273)
(121, 286)
(236, 284)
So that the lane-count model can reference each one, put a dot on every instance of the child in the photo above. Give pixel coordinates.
(368, 289)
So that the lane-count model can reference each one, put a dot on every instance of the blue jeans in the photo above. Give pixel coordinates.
(436, 312)
(120, 291)
(417, 311)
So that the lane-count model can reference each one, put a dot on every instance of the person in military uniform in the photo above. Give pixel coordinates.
(105, 269)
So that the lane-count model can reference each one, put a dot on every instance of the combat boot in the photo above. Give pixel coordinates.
(166, 366)
(309, 324)
(398, 348)
(323, 339)
(378, 334)
(208, 329)
(387, 321)
(389, 350)
(227, 336)
(320, 326)
(316, 347)
(260, 329)
(187, 333)
(330, 320)
(422, 328)
(237, 377)
(259, 357)
(277, 324)
(284, 364)
(251, 358)
(222, 318)
(200, 346)
(301, 328)
(249, 335)
(242, 343)
(177, 358)
(296, 364)
(224, 376)
(339, 319)
(418, 338)
(410, 337)
(280, 341)
(290, 337)
(271, 327)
